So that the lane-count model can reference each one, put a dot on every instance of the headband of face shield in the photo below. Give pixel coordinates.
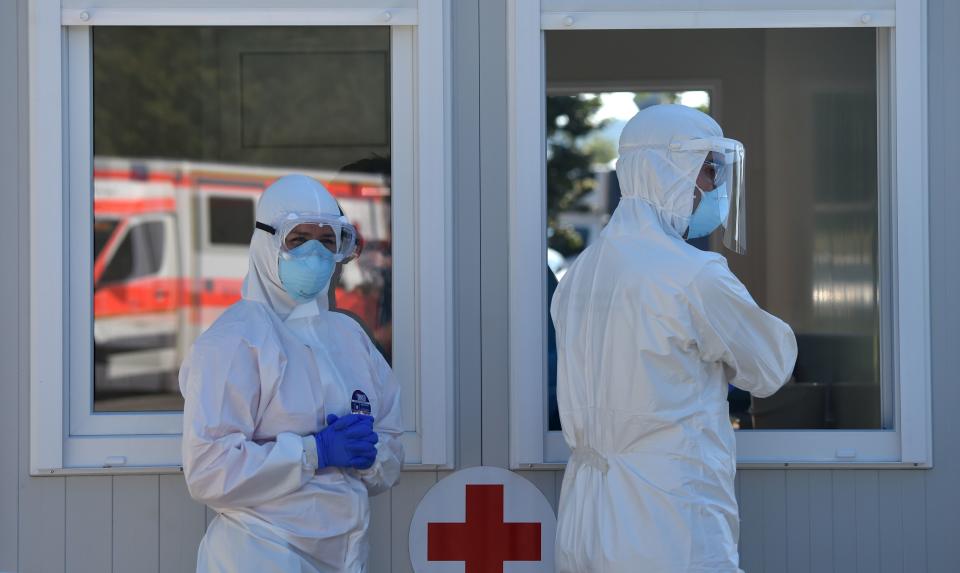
(333, 232)
(723, 165)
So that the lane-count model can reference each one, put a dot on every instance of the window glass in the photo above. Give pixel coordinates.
(121, 265)
(194, 119)
(231, 220)
(804, 103)
(139, 254)
(102, 231)
(583, 131)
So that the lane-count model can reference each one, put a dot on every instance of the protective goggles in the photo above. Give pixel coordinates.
(331, 231)
(723, 164)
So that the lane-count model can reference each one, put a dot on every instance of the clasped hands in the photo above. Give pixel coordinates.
(347, 442)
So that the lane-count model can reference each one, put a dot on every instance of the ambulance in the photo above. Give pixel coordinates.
(170, 243)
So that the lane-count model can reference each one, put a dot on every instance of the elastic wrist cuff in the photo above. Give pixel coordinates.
(311, 458)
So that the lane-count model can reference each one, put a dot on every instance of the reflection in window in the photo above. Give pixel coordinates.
(808, 119)
(139, 254)
(583, 132)
(189, 126)
(102, 231)
(231, 220)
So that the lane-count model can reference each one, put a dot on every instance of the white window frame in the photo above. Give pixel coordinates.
(908, 444)
(61, 159)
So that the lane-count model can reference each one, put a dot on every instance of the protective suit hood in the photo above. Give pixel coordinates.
(258, 385)
(650, 171)
(289, 194)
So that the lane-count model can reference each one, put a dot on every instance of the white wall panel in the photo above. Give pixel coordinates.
(494, 237)
(381, 533)
(774, 520)
(942, 500)
(42, 522)
(404, 500)
(917, 553)
(821, 521)
(209, 513)
(41, 504)
(798, 521)
(182, 524)
(136, 523)
(465, 39)
(868, 520)
(10, 40)
(89, 523)
(890, 535)
(844, 521)
(546, 483)
(751, 521)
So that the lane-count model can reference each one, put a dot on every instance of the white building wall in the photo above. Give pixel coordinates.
(12, 167)
(793, 520)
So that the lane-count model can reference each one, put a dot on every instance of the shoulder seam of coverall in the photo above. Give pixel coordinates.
(358, 329)
(705, 268)
(234, 335)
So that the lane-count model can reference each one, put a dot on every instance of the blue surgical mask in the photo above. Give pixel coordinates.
(306, 270)
(710, 213)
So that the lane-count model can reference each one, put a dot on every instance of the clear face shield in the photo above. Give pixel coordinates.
(333, 232)
(723, 167)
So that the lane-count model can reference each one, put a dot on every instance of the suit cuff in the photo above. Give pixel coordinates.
(311, 460)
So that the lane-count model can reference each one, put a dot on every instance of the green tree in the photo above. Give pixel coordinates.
(570, 162)
(601, 149)
(151, 88)
(647, 99)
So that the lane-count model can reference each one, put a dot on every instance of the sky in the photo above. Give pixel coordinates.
(620, 106)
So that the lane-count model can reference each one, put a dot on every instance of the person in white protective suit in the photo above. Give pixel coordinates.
(284, 401)
(650, 331)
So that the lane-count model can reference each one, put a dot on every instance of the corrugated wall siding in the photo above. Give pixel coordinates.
(792, 521)
(833, 521)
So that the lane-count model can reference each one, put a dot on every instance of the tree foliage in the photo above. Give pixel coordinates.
(570, 163)
(150, 85)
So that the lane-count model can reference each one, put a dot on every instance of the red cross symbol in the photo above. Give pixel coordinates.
(484, 542)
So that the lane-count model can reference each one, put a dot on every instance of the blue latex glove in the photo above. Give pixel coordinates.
(347, 442)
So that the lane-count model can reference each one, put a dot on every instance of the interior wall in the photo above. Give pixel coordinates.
(804, 75)
(634, 59)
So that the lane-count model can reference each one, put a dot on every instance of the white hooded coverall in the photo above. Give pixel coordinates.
(257, 385)
(649, 332)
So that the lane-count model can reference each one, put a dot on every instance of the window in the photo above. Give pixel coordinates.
(172, 134)
(139, 254)
(134, 351)
(102, 231)
(583, 131)
(166, 129)
(821, 113)
(230, 220)
(814, 257)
